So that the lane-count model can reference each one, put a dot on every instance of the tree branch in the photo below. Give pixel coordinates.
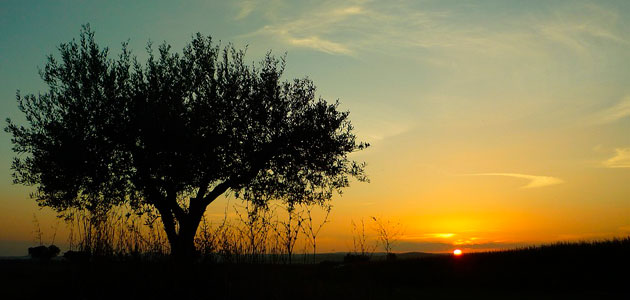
(216, 192)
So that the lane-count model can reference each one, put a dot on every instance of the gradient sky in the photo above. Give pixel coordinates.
(493, 124)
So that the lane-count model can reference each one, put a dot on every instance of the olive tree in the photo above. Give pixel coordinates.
(177, 131)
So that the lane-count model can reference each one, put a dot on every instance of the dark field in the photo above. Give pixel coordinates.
(597, 270)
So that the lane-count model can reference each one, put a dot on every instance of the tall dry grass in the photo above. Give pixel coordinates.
(250, 234)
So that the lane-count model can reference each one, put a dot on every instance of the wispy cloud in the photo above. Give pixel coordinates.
(349, 10)
(350, 27)
(620, 160)
(447, 241)
(287, 35)
(427, 246)
(378, 130)
(580, 29)
(614, 113)
(245, 9)
(320, 44)
(446, 235)
(535, 181)
(313, 27)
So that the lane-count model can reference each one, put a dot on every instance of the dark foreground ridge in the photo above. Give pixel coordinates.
(597, 270)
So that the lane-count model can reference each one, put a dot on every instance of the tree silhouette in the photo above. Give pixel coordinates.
(388, 233)
(176, 132)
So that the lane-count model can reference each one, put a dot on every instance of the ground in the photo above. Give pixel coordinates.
(587, 270)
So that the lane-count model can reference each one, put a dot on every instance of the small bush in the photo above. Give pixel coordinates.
(43, 252)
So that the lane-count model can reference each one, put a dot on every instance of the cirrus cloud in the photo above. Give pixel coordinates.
(535, 181)
(620, 160)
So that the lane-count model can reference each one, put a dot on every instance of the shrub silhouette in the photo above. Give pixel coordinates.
(43, 252)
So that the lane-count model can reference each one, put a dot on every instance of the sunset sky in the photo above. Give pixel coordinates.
(493, 124)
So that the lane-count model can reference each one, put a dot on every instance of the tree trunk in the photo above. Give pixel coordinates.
(183, 246)
(182, 241)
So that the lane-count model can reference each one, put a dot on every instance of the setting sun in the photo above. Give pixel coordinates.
(457, 252)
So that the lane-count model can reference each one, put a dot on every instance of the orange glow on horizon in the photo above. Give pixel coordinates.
(457, 252)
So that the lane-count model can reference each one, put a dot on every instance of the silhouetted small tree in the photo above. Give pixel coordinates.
(177, 132)
(255, 229)
(361, 246)
(388, 234)
(288, 230)
(312, 229)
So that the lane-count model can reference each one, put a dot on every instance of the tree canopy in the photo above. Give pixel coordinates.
(176, 132)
